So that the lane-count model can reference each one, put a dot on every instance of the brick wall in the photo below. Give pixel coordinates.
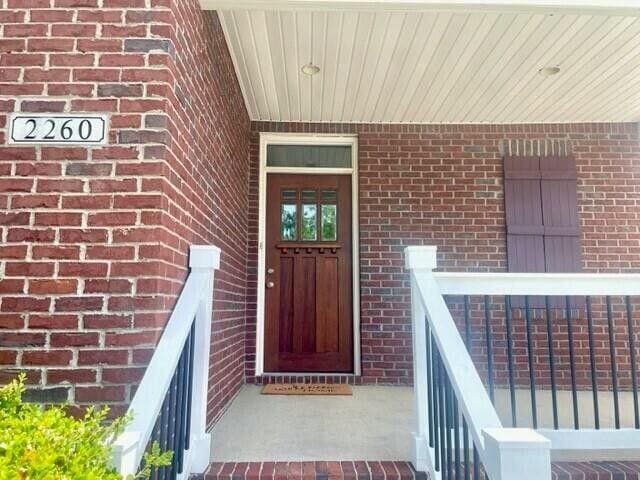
(94, 241)
(442, 185)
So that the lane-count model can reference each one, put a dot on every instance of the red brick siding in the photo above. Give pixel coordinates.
(95, 240)
(211, 158)
(442, 185)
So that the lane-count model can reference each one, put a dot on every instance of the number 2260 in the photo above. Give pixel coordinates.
(66, 132)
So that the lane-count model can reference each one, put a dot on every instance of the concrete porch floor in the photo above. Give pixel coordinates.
(373, 424)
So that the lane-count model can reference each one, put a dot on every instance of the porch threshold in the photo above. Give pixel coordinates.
(372, 424)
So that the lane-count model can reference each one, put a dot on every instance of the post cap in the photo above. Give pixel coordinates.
(515, 438)
(420, 258)
(204, 256)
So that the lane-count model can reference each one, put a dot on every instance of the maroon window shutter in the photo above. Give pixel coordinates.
(559, 189)
(523, 209)
(543, 233)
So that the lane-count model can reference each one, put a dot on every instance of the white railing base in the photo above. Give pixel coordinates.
(200, 454)
(125, 453)
(421, 461)
(197, 458)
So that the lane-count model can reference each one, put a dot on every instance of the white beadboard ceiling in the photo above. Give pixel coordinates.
(436, 66)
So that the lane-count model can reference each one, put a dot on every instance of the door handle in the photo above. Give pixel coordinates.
(270, 284)
(270, 271)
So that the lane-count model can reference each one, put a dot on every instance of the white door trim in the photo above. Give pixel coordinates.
(306, 139)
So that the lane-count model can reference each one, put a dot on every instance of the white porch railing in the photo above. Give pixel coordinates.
(171, 401)
(442, 362)
(506, 453)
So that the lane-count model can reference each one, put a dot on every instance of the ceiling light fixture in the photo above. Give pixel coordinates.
(549, 71)
(310, 69)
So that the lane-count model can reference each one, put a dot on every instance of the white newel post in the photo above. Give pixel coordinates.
(420, 259)
(202, 259)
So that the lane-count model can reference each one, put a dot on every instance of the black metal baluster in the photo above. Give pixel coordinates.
(467, 341)
(467, 324)
(192, 340)
(155, 436)
(456, 436)
(173, 396)
(429, 383)
(594, 372)
(164, 434)
(442, 413)
(436, 407)
(489, 340)
(512, 390)
(476, 464)
(532, 376)
(634, 366)
(465, 447)
(185, 399)
(552, 363)
(178, 454)
(448, 423)
(572, 363)
(614, 367)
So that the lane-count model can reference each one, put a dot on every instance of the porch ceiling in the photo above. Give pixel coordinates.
(436, 65)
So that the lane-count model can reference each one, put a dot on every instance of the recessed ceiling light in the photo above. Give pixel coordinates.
(310, 69)
(549, 71)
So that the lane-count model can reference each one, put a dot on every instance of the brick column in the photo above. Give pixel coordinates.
(94, 241)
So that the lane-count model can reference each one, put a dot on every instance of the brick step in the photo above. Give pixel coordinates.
(313, 470)
(371, 470)
(596, 471)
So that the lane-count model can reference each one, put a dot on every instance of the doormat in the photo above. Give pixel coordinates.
(307, 389)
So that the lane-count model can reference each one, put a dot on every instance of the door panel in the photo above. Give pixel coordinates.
(308, 290)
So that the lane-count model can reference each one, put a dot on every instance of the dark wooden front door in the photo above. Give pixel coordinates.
(308, 301)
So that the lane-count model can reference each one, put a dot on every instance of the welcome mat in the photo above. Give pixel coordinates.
(307, 389)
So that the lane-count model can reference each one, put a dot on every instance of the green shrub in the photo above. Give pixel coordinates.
(38, 443)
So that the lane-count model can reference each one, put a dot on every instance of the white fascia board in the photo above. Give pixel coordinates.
(584, 7)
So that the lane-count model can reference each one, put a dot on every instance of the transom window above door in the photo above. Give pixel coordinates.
(308, 215)
(309, 156)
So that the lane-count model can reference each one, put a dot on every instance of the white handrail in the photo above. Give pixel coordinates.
(506, 453)
(463, 283)
(194, 305)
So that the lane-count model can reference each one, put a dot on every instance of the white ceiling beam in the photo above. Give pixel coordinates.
(585, 7)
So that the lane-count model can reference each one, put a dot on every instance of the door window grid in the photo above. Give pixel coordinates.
(302, 208)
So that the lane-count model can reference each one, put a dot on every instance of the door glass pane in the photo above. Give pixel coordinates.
(309, 222)
(288, 221)
(309, 156)
(329, 222)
